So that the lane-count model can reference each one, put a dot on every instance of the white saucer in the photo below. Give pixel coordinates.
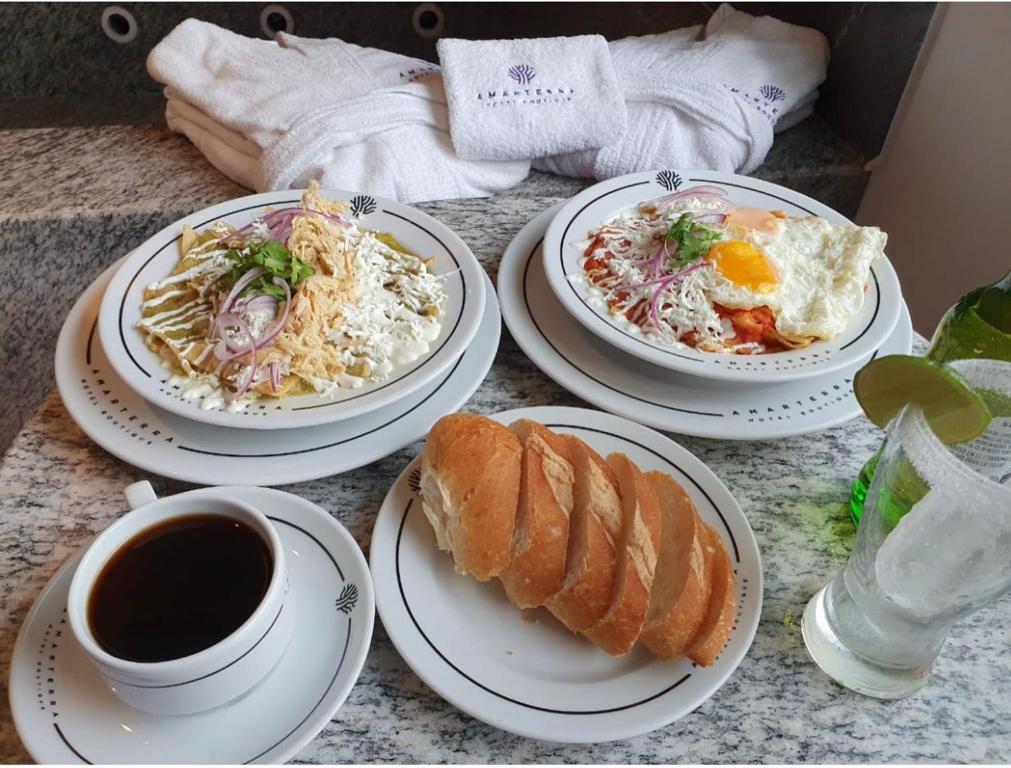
(625, 385)
(154, 259)
(585, 212)
(132, 429)
(65, 714)
(535, 678)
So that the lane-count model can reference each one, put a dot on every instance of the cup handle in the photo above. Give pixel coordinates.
(139, 494)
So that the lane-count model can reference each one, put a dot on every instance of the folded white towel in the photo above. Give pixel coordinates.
(271, 115)
(519, 99)
(707, 98)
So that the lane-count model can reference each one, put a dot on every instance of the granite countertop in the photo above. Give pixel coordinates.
(57, 489)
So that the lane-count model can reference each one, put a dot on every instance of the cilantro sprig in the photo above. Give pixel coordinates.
(275, 259)
(694, 240)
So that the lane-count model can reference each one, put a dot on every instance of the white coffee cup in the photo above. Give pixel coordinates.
(215, 675)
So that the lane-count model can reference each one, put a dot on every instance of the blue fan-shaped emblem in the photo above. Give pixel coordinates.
(772, 92)
(362, 205)
(522, 73)
(668, 180)
(346, 602)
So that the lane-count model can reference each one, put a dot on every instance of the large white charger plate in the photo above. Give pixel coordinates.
(134, 430)
(660, 398)
(142, 370)
(585, 212)
(535, 678)
(65, 714)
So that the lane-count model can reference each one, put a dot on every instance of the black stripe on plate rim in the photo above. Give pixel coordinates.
(561, 263)
(441, 655)
(405, 374)
(530, 314)
(326, 691)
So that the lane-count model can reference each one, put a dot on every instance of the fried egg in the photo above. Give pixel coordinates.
(809, 271)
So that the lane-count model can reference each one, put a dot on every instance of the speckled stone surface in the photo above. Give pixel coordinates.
(57, 489)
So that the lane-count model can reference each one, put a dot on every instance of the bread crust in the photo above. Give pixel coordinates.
(470, 481)
(541, 536)
(718, 622)
(589, 579)
(680, 530)
(670, 633)
(638, 548)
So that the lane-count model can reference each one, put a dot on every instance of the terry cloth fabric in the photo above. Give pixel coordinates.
(276, 114)
(707, 97)
(520, 99)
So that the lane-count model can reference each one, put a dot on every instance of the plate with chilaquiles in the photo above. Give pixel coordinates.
(722, 276)
(290, 309)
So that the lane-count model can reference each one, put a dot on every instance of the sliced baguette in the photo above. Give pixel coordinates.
(470, 481)
(594, 525)
(719, 619)
(638, 546)
(683, 582)
(541, 536)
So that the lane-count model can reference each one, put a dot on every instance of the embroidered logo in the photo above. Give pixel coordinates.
(772, 92)
(362, 205)
(416, 73)
(349, 597)
(668, 180)
(763, 101)
(522, 73)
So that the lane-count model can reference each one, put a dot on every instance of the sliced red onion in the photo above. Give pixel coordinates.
(260, 301)
(711, 218)
(251, 351)
(271, 333)
(275, 376)
(703, 191)
(239, 286)
(272, 219)
(654, 302)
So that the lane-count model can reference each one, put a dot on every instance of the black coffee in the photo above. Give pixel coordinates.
(179, 587)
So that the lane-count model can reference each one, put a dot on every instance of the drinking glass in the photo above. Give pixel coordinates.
(933, 545)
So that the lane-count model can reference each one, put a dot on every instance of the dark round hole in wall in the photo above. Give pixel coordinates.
(275, 18)
(276, 22)
(428, 20)
(119, 24)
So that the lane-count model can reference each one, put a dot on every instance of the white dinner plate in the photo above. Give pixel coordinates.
(526, 673)
(585, 212)
(64, 713)
(674, 402)
(132, 429)
(142, 370)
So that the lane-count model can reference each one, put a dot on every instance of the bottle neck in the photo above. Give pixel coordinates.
(995, 304)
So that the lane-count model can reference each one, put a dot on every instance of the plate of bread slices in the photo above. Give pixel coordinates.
(565, 574)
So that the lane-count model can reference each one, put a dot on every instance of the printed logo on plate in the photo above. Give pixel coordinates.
(669, 180)
(362, 205)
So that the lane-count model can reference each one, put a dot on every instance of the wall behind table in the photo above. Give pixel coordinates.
(940, 189)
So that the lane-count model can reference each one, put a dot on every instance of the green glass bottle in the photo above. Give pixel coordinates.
(978, 326)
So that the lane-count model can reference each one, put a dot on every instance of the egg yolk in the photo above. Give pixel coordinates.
(743, 265)
(754, 219)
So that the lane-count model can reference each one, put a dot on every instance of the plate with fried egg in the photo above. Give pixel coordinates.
(722, 276)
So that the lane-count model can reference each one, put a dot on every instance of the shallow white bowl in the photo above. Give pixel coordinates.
(585, 212)
(141, 369)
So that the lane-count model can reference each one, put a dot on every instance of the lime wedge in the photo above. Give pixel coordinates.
(954, 412)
